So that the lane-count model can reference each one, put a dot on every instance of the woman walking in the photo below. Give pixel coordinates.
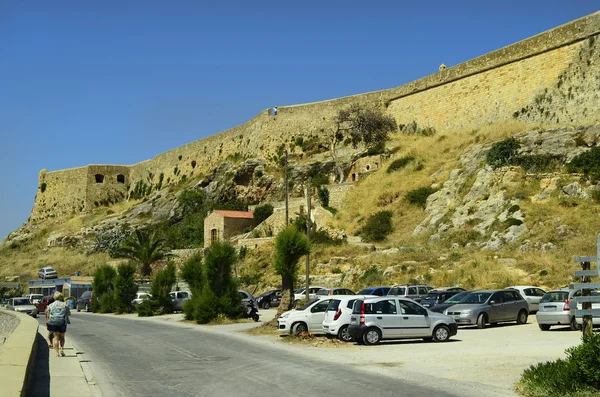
(57, 322)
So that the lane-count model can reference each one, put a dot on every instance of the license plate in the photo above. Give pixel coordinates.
(352, 321)
(549, 308)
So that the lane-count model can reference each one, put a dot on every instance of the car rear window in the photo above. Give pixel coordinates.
(560, 296)
(350, 304)
(397, 291)
(357, 306)
(323, 291)
(333, 305)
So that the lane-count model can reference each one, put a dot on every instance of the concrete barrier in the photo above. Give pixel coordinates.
(17, 353)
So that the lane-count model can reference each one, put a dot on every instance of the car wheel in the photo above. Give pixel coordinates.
(481, 321)
(544, 327)
(266, 305)
(344, 335)
(372, 336)
(441, 333)
(522, 317)
(573, 325)
(300, 328)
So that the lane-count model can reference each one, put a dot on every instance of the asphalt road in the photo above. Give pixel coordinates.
(147, 358)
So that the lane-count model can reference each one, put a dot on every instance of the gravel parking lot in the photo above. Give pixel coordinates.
(475, 362)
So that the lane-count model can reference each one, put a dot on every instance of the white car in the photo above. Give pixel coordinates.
(35, 298)
(140, 297)
(533, 295)
(308, 318)
(47, 272)
(337, 316)
(22, 305)
(300, 294)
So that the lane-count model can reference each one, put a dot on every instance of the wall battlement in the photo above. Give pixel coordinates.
(552, 77)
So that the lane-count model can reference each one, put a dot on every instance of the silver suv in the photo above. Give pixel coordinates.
(396, 318)
(416, 292)
(491, 306)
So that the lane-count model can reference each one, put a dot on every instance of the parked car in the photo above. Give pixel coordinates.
(390, 317)
(312, 293)
(178, 298)
(35, 298)
(269, 299)
(377, 291)
(140, 297)
(414, 292)
(335, 291)
(47, 272)
(490, 306)
(247, 299)
(337, 317)
(85, 301)
(434, 298)
(22, 304)
(533, 295)
(449, 302)
(558, 307)
(448, 289)
(308, 318)
(43, 304)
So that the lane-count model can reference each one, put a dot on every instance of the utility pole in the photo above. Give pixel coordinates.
(287, 208)
(308, 224)
(586, 305)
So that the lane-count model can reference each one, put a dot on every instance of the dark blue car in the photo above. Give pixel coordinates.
(377, 291)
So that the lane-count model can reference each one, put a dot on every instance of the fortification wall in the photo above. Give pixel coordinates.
(512, 82)
(106, 185)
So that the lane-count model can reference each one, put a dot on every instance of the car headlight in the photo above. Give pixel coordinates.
(466, 312)
(285, 315)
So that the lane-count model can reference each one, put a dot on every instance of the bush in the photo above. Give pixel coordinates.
(125, 288)
(503, 153)
(103, 284)
(586, 357)
(162, 284)
(106, 302)
(371, 276)
(538, 162)
(587, 163)
(323, 194)
(400, 163)
(513, 222)
(377, 227)
(419, 196)
(322, 237)
(262, 212)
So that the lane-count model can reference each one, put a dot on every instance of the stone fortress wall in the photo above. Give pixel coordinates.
(512, 82)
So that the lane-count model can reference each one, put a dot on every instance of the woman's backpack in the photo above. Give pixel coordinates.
(58, 315)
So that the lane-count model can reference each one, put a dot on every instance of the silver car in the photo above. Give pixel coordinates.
(558, 308)
(490, 307)
(390, 317)
(22, 305)
(178, 298)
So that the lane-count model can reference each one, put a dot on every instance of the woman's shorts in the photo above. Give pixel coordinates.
(57, 328)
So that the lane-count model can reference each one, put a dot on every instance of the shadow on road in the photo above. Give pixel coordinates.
(41, 382)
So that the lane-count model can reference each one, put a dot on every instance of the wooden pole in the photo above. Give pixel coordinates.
(587, 319)
(287, 209)
(308, 236)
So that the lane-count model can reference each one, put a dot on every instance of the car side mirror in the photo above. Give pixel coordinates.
(426, 313)
(492, 302)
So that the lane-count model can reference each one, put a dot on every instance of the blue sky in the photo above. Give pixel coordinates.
(118, 82)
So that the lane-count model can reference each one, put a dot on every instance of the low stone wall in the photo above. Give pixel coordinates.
(17, 353)
(252, 243)
(8, 324)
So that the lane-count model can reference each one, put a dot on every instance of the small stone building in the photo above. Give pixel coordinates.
(220, 225)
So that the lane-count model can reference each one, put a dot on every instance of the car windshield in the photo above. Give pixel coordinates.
(431, 297)
(366, 291)
(309, 304)
(476, 297)
(299, 291)
(21, 302)
(457, 298)
(323, 291)
(556, 296)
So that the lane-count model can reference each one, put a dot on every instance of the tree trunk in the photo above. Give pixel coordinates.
(287, 295)
(338, 169)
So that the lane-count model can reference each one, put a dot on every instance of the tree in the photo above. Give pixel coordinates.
(191, 272)
(368, 126)
(103, 284)
(262, 212)
(125, 288)
(144, 248)
(290, 246)
(323, 194)
(160, 302)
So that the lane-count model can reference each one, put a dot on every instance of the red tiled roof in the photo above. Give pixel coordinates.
(236, 214)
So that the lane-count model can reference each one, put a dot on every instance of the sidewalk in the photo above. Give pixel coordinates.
(62, 376)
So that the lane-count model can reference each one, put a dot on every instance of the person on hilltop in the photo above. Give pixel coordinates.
(57, 322)
(50, 333)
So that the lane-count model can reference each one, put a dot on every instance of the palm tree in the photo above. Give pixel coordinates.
(144, 248)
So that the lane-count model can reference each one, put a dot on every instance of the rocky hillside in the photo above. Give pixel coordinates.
(502, 205)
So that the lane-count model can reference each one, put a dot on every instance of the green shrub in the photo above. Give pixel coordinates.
(125, 288)
(323, 194)
(419, 196)
(549, 379)
(513, 208)
(322, 237)
(538, 162)
(336, 270)
(103, 284)
(400, 163)
(587, 163)
(107, 302)
(373, 150)
(543, 273)
(162, 284)
(262, 212)
(503, 153)
(191, 272)
(377, 227)
(586, 357)
(371, 276)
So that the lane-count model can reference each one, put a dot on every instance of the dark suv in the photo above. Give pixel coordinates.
(434, 298)
(85, 301)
